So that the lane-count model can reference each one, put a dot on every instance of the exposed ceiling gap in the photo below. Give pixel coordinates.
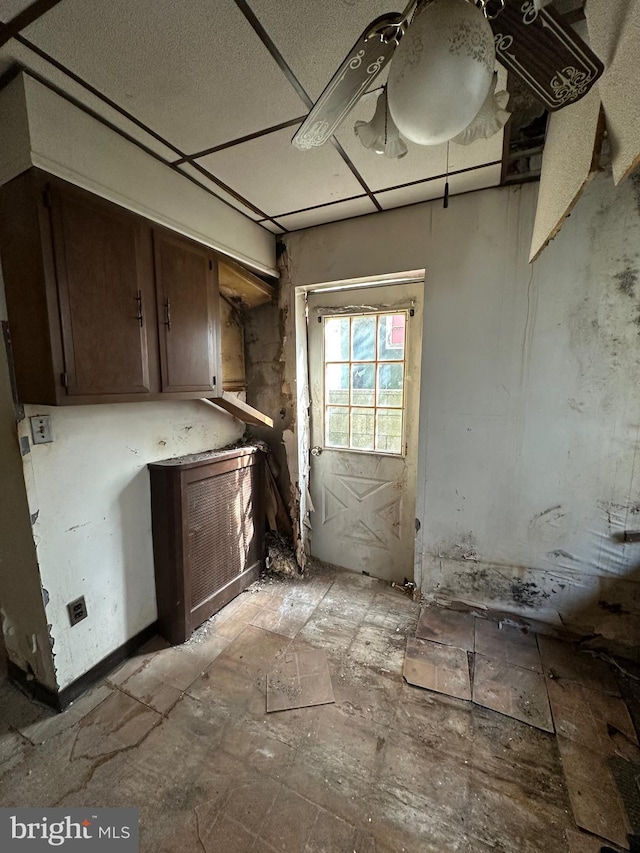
(525, 132)
(290, 123)
(265, 38)
(23, 19)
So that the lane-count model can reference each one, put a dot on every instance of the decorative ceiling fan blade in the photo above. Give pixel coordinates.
(545, 53)
(363, 63)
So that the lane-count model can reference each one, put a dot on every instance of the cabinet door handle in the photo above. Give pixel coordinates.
(167, 312)
(140, 317)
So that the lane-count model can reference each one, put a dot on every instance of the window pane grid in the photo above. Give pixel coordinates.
(364, 371)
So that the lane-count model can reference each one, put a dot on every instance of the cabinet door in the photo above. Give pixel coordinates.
(105, 287)
(188, 314)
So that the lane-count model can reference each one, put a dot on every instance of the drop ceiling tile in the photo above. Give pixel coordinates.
(477, 179)
(314, 38)
(190, 170)
(195, 72)
(329, 213)
(10, 8)
(14, 51)
(278, 178)
(424, 191)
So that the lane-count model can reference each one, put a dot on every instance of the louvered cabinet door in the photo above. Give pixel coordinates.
(208, 534)
(221, 540)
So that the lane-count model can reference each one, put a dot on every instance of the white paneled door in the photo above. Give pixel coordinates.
(364, 366)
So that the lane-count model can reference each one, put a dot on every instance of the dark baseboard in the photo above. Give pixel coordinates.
(60, 700)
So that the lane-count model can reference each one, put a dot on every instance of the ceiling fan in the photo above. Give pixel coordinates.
(439, 86)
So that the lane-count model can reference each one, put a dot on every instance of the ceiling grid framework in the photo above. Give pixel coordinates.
(217, 96)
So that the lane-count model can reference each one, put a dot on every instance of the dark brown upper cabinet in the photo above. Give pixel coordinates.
(188, 314)
(104, 306)
(106, 295)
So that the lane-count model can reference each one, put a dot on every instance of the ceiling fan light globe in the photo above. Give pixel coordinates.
(380, 135)
(441, 73)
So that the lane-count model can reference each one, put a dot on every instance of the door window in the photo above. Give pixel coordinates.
(364, 372)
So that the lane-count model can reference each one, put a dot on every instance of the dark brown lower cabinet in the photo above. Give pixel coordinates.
(208, 534)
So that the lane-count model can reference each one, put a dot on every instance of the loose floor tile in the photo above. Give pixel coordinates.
(586, 716)
(596, 803)
(513, 691)
(442, 668)
(301, 680)
(447, 626)
(507, 643)
(385, 768)
(364, 692)
(563, 662)
(581, 842)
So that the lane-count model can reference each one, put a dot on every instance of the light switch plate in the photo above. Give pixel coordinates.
(41, 429)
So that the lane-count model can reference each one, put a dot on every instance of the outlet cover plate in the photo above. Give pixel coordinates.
(77, 610)
(41, 429)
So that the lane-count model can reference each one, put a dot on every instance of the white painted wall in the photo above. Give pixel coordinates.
(530, 415)
(90, 487)
(40, 128)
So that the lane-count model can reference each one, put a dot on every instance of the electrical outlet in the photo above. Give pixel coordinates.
(77, 610)
(41, 429)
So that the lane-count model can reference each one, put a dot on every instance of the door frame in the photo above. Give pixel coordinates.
(303, 407)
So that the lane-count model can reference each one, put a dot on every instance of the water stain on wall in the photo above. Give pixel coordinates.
(627, 280)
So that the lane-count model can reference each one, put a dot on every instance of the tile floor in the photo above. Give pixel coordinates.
(183, 734)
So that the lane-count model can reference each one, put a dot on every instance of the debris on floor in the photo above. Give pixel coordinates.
(281, 557)
(186, 735)
(301, 680)
(551, 685)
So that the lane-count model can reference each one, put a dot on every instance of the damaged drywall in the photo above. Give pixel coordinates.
(268, 345)
(22, 609)
(528, 479)
(93, 530)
